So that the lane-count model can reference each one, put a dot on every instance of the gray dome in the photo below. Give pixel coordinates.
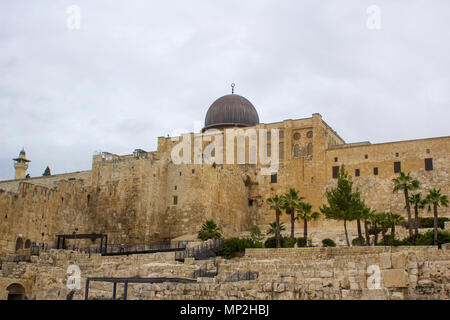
(231, 110)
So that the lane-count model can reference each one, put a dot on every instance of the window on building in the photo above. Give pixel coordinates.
(375, 171)
(366, 156)
(397, 167)
(296, 136)
(428, 151)
(357, 173)
(175, 188)
(335, 172)
(273, 178)
(335, 159)
(429, 164)
(309, 134)
(397, 154)
(180, 173)
(250, 202)
(193, 171)
(175, 200)
(281, 134)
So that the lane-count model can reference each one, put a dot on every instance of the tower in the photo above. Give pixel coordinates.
(20, 165)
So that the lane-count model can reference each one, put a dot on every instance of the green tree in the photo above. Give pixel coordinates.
(343, 203)
(273, 228)
(435, 199)
(209, 230)
(405, 183)
(384, 222)
(374, 219)
(256, 234)
(394, 220)
(276, 203)
(365, 215)
(305, 213)
(290, 200)
(418, 203)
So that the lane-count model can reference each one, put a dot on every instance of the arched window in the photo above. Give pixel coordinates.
(27, 244)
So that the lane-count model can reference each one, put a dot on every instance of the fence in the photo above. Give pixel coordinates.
(203, 251)
(145, 247)
(203, 271)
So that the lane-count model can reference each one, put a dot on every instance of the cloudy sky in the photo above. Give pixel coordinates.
(136, 70)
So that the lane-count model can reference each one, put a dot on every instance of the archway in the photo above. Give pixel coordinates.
(16, 292)
(27, 244)
(19, 244)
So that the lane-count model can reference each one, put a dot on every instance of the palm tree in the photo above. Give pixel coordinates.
(304, 213)
(365, 215)
(290, 200)
(276, 203)
(273, 228)
(209, 230)
(374, 219)
(436, 199)
(404, 182)
(393, 220)
(384, 221)
(419, 203)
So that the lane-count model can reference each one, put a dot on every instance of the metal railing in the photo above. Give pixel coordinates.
(151, 247)
(205, 250)
(204, 272)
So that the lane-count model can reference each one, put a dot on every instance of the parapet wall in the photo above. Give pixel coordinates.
(47, 181)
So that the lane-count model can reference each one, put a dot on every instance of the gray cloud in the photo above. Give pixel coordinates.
(138, 70)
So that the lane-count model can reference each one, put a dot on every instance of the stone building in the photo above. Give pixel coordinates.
(148, 196)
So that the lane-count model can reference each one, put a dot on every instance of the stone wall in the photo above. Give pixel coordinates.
(138, 199)
(303, 273)
(47, 181)
(37, 213)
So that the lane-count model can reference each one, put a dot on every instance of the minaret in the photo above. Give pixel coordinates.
(20, 165)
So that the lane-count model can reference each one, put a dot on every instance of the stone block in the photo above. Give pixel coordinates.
(385, 261)
(395, 278)
(399, 260)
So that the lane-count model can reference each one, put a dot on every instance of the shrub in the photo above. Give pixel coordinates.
(355, 242)
(289, 243)
(256, 234)
(427, 222)
(233, 246)
(426, 239)
(328, 243)
(271, 242)
(301, 242)
(392, 241)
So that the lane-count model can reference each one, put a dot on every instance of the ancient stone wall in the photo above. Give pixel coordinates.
(304, 273)
(36, 213)
(377, 189)
(140, 199)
